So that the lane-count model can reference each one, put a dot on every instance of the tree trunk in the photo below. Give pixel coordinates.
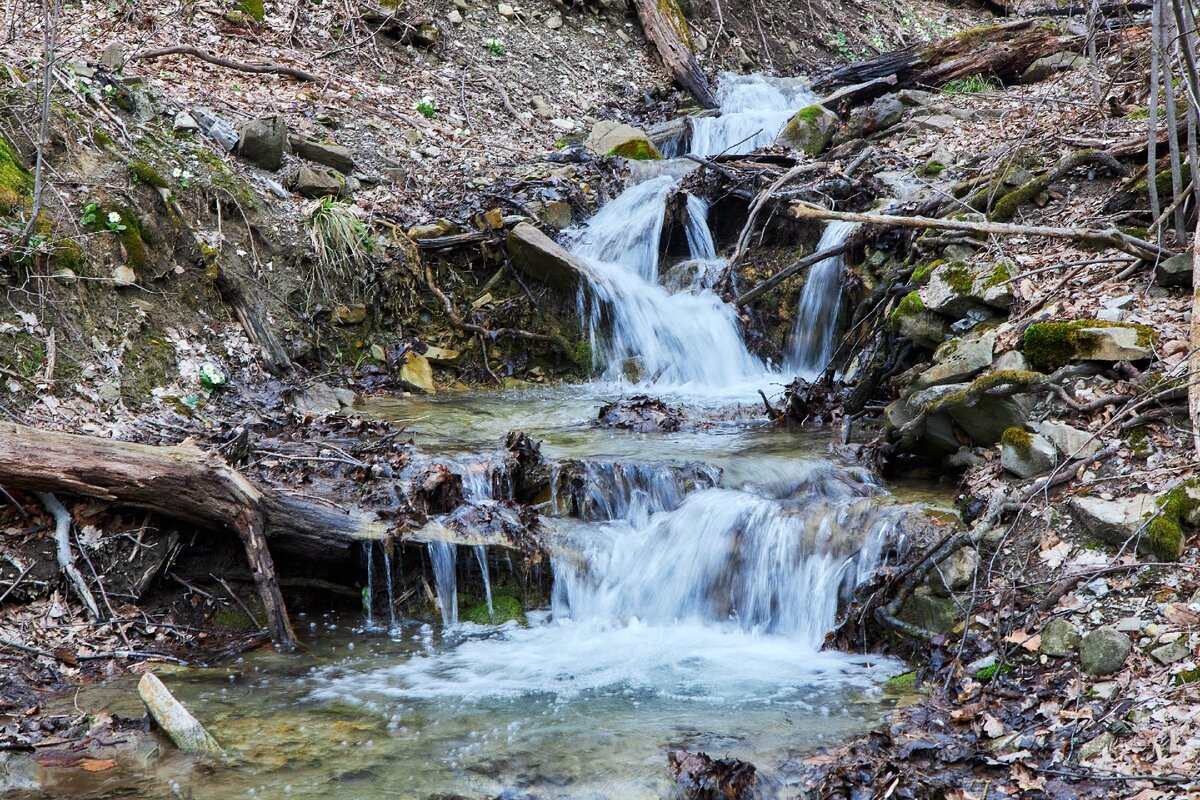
(1193, 372)
(667, 30)
(1003, 51)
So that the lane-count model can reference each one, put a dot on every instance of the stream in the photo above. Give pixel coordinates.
(684, 613)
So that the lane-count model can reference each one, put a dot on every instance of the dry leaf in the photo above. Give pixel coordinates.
(992, 727)
(97, 764)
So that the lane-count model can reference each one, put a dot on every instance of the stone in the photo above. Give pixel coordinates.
(541, 107)
(441, 355)
(923, 609)
(557, 214)
(417, 374)
(954, 574)
(454, 17)
(1112, 521)
(959, 360)
(1103, 651)
(220, 130)
(185, 122)
(538, 256)
(1013, 360)
(1111, 315)
(1174, 271)
(432, 230)
(263, 141)
(334, 156)
(924, 328)
(1097, 745)
(936, 123)
(1059, 638)
(1169, 653)
(611, 138)
(109, 393)
(987, 418)
(1071, 442)
(1115, 344)
(866, 120)
(810, 130)
(1046, 66)
(123, 276)
(113, 57)
(1026, 457)
(915, 97)
(319, 182)
(321, 398)
(506, 10)
(955, 288)
(349, 315)
(554, 21)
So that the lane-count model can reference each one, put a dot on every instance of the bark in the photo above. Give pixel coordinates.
(666, 29)
(182, 482)
(185, 730)
(1003, 51)
(1193, 373)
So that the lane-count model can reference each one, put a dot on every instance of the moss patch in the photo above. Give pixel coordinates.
(992, 380)
(149, 362)
(1051, 345)
(144, 173)
(505, 608)
(958, 277)
(1019, 440)
(253, 9)
(921, 273)
(1164, 534)
(636, 150)
(14, 176)
(1001, 274)
(910, 306)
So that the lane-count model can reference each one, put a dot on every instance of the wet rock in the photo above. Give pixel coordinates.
(557, 214)
(321, 398)
(1103, 651)
(540, 257)
(318, 182)
(262, 142)
(1112, 521)
(704, 778)
(987, 418)
(416, 373)
(217, 128)
(438, 490)
(610, 138)
(334, 156)
(926, 610)
(879, 115)
(1071, 442)
(1046, 66)
(1174, 271)
(954, 574)
(432, 230)
(1026, 454)
(1059, 638)
(642, 414)
(810, 130)
(959, 360)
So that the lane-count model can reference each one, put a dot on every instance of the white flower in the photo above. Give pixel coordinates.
(114, 217)
(177, 172)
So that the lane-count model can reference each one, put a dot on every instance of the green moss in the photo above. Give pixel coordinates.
(505, 608)
(931, 168)
(148, 363)
(1006, 207)
(987, 674)
(1018, 439)
(67, 254)
(581, 354)
(1164, 539)
(1050, 345)
(991, 380)
(804, 126)
(1137, 233)
(234, 620)
(144, 173)
(910, 306)
(1001, 274)
(13, 174)
(253, 9)
(636, 150)
(957, 276)
(921, 274)
(905, 682)
(1188, 676)
(1164, 533)
(101, 139)
(131, 236)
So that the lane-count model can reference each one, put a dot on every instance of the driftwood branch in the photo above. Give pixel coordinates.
(1113, 238)
(66, 559)
(204, 55)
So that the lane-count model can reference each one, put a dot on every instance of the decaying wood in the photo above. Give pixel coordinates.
(182, 482)
(204, 55)
(185, 730)
(253, 319)
(1003, 51)
(1113, 238)
(664, 25)
(66, 559)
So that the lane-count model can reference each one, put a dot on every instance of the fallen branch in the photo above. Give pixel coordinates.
(788, 271)
(66, 559)
(204, 55)
(458, 322)
(743, 240)
(1116, 239)
(1193, 393)
(664, 25)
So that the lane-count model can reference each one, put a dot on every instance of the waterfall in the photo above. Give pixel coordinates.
(815, 329)
(754, 109)
(481, 557)
(444, 556)
(387, 571)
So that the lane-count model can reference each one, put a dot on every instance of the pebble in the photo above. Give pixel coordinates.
(554, 22)
(506, 10)
(1129, 625)
(455, 17)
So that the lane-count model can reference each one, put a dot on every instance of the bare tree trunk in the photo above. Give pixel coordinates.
(665, 27)
(1193, 373)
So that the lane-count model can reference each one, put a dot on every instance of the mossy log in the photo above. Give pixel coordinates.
(666, 28)
(185, 483)
(1003, 51)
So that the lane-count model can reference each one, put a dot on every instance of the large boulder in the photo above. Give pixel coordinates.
(955, 288)
(1046, 66)
(928, 611)
(1071, 442)
(539, 256)
(610, 138)
(810, 130)
(1103, 651)
(879, 115)
(1050, 345)
(263, 141)
(1112, 521)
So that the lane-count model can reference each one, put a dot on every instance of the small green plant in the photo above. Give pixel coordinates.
(110, 91)
(494, 46)
(89, 214)
(183, 176)
(971, 85)
(426, 107)
(987, 674)
(843, 46)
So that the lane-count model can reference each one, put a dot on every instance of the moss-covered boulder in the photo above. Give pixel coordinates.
(954, 287)
(610, 138)
(810, 130)
(959, 360)
(1026, 454)
(505, 608)
(916, 323)
(1050, 345)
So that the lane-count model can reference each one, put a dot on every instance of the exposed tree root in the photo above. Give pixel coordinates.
(204, 55)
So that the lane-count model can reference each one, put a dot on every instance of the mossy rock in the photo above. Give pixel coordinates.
(1051, 345)
(1178, 507)
(505, 608)
(810, 130)
(1019, 440)
(252, 9)
(15, 177)
(636, 150)
(144, 173)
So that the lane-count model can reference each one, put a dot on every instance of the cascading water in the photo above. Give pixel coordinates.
(815, 328)
(754, 109)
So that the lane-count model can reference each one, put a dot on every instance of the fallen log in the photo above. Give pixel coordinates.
(204, 55)
(666, 28)
(1116, 239)
(181, 482)
(788, 271)
(1003, 51)
(173, 717)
